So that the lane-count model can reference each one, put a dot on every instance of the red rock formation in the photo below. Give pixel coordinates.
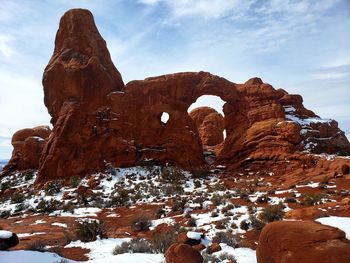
(302, 241)
(210, 125)
(179, 253)
(27, 148)
(100, 122)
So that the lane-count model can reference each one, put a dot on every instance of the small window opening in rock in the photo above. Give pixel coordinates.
(165, 117)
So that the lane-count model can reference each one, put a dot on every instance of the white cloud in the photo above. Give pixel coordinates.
(208, 9)
(329, 75)
(5, 46)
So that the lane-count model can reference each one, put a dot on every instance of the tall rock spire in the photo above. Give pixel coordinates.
(81, 68)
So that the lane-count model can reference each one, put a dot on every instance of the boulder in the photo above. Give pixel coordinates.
(8, 240)
(179, 253)
(28, 145)
(302, 241)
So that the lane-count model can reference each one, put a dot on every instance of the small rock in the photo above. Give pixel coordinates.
(8, 239)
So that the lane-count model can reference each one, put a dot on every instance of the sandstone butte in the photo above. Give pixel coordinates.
(99, 121)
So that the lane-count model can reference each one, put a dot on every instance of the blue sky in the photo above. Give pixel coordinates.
(301, 46)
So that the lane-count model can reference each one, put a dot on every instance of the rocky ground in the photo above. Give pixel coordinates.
(152, 206)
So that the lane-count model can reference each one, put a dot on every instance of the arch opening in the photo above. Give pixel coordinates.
(207, 113)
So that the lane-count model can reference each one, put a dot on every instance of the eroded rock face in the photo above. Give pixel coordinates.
(210, 125)
(302, 241)
(28, 145)
(98, 121)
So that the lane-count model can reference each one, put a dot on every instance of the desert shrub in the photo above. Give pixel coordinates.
(244, 225)
(197, 183)
(121, 197)
(88, 230)
(37, 246)
(48, 206)
(137, 245)
(160, 212)
(251, 209)
(75, 181)
(243, 194)
(226, 209)
(53, 187)
(191, 222)
(313, 199)
(17, 198)
(5, 185)
(214, 214)
(345, 169)
(68, 207)
(171, 189)
(121, 249)
(141, 223)
(222, 224)
(179, 205)
(290, 200)
(172, 175)
(28, 175)
(271, 192)
(256, 223)
(162, 241)
(227, 238)
(226, 256)
(233, 225)
(217, 199)
(200, 173)
(272, 213)
(21, 207)
(5, 214)
(217, 187)
(207, 257)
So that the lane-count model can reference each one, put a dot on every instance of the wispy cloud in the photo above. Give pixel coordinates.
(5, 46)
(300, 45)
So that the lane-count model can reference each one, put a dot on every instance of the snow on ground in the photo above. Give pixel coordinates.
(24, 256)
(60, 225)
(343, 223)
(101, 252)
(242, 255)
(30, 234)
